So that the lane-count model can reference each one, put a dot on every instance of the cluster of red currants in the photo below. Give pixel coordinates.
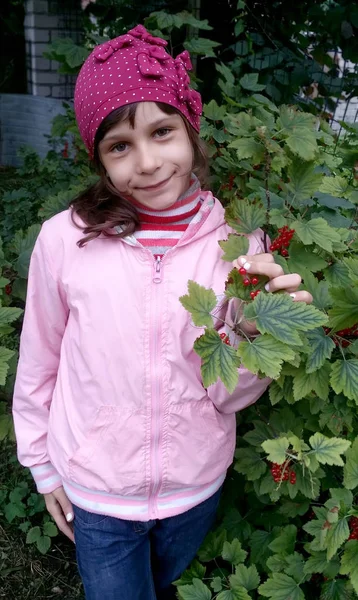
(247, 281)
(225, 339)
(283, 241)
(353, 527)
(279, 473)
(343, 333)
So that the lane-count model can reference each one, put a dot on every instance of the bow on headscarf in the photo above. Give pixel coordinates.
(141, 33)
(108, 48)
(191, 97)
(149, 60)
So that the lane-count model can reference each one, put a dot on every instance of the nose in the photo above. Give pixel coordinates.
(148, 159)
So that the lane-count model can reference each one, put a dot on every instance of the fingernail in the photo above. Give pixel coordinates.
(242, 261)
(267, 287)
(246, 266)
(293, 296)
(69, 517)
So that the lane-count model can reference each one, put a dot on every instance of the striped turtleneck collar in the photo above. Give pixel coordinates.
(162, 229)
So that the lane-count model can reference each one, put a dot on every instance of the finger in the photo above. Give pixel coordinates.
(56, 513)
(289, 283)
(64, 502)
(270, 269)
(302, 296)
(249, 258)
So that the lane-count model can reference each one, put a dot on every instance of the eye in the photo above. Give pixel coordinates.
(120, 147)
(163, 131)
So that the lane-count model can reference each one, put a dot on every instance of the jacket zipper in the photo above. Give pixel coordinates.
(156, 391)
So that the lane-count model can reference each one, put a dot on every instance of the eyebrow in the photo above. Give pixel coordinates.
(153, 125)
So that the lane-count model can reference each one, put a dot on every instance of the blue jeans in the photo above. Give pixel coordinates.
(132, 560)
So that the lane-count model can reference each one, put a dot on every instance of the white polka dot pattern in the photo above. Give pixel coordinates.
(131, 68)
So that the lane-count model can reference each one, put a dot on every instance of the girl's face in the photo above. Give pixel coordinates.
(152, 161)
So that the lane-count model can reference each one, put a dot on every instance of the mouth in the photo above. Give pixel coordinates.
(156, 186)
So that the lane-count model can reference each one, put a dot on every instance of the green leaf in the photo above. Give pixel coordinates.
(50, 529)
(302, 258)
(295, 566)
(250, 82)
(234, 246)
(233, 552)
(285, 542)
(197, 591)
(265, 354)
(336, 590)
(304, 181)
(336, 415)
(214, 112)
(337, 275)
(281, 587)
(319, 291)
(238, 594)
(199, 302)
(298, 128)
(304, 383)
(320, 348)
(5, 355)
(276, 563)
(276, 449)
(336, 536)
(216, 584)
(249, 463)
(244, 217)
(349, 563)
(278, 315)
(316, 231)
(247, 147)
(344, 312)
(246, 577)
(350, 480)
(8, 314)
(195, 571)
(218, 360)
(33, 535)
(344, 378)
(335, 186)
(259, 544)
(328, 450)
(43, 544)
(201, 46)
(212, 546)
(316, 563)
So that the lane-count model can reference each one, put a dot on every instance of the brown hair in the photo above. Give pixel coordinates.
(101, 206)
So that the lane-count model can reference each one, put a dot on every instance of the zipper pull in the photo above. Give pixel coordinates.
(157, 272)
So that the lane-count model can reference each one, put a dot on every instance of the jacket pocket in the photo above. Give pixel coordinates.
(111, 457)
(201, 444)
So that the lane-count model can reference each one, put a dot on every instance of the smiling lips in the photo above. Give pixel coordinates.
(150, 188)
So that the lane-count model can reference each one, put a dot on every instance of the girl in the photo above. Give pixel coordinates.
(127, 446)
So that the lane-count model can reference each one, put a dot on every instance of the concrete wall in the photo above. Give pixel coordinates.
(25, 120)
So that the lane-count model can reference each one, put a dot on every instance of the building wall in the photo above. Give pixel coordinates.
(45, 21)
(25, 120)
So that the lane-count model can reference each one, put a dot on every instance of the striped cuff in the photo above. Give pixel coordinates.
(46, 478)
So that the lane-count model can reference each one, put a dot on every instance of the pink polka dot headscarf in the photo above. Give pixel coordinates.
(131, 68)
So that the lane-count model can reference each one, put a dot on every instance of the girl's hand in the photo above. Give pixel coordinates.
(264, 264)
(60, 509)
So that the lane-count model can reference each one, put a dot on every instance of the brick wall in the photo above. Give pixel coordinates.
(45, 21)
(25, 120)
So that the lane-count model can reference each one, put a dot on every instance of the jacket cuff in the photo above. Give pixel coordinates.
(46, 478)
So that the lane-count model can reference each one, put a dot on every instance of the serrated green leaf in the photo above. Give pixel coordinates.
(201, 46)
(319, 290)
(5, 355)
(50, 529)
(249, 463)
(250, 82)
(350, 480)
(199, 302)
(349, 563)
(275, 393)
(336, 415)
(316, 231)
(321, 348)
(276, 449)
(259, 544)
(196, 591)
(304, 383)
(195, 571)
(43, 544)
(281, 587)
(33, 535)
(328, 450)
(278, 315)
(247, 147)
(316, 563)
(285, 542)
(238, 594)
(233, 552)
(216, 584)
(344, 378)
(295, 564)
(8, 314)
(246, 577)
(304, 181)
(265, 354)
(344, 312)
(214, 112)
(335, 186)
(336, 536)
(276, 563)
(218, 360)
(303, 258)
(337, 275)
(212, 546)
(337, 589)
(234, 246)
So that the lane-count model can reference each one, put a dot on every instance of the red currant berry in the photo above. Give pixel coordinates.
(8, 289)
(242, 271)
(284, 252)
(254, 280)
(246, 282)
(253, 295)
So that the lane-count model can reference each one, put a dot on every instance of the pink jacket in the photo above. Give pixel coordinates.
(108, 398)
